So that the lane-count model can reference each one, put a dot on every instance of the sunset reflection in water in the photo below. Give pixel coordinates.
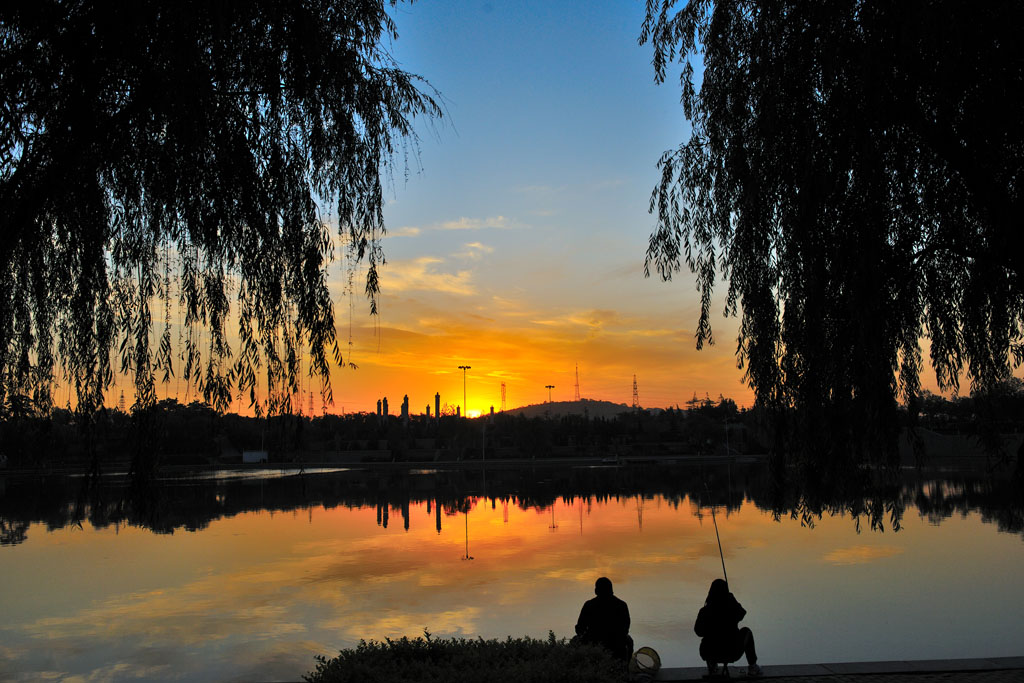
(258, 594)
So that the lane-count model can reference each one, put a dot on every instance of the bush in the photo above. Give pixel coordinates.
(457, 660)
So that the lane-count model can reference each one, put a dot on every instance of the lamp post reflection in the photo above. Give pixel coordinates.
(465, 512)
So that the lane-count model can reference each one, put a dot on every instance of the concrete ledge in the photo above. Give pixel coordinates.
(958, 665)
(696, 673)
(892, 667)
(853, 668)
(1008, 662)
(798, 670)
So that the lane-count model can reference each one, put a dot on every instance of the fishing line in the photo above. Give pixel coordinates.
(717, 537)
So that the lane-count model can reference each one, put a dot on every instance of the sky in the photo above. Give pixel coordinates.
(516, 240)
(518, 224)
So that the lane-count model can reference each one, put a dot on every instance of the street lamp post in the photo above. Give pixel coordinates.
(464, 368)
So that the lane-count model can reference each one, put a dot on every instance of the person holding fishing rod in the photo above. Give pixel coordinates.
(718, 624)
(718, 627)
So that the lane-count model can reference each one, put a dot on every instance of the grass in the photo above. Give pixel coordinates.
(458, 660)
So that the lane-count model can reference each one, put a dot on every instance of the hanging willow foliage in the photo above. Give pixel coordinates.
(854, 172)
(162, 165)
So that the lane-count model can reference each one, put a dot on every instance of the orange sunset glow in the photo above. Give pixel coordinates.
(526, 356)
(424, 332)
(421, 337)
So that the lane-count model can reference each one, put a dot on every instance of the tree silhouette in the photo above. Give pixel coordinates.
(854, 172)
(162, 169)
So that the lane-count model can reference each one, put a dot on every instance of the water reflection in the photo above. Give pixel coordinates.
(467, 556)
(875, 500)
(283, 569)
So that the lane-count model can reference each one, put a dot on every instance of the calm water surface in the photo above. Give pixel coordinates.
(255, 594)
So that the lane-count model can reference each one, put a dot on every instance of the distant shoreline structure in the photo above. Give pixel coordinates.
(583, 407)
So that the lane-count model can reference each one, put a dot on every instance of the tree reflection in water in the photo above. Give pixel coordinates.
(877, 499)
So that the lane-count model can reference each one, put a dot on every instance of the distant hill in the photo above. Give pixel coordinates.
(605, 409)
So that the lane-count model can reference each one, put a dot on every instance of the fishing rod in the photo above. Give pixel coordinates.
(717, 537)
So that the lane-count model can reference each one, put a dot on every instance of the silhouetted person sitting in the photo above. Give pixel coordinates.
(604, 620)
(718, 627)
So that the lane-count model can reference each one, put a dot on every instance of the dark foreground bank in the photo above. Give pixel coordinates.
(526, 659)
(457, 660)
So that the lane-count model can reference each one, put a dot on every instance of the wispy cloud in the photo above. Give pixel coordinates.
(511, 307)
(424, 274)
(632, 270)
(595, 318)
(660, 332)
(404, 231)
(474, 250)
(465, 223)
(461, 223)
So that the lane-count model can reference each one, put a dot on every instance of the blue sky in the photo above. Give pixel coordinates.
(517, 237)
(516, 242)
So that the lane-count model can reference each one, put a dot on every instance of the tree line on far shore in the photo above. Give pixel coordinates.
(171, 433)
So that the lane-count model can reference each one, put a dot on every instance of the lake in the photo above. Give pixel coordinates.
(243, 575)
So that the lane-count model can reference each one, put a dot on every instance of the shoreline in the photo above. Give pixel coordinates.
(119, 468)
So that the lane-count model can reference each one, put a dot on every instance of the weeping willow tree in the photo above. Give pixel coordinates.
(854, 174)
(163, 172)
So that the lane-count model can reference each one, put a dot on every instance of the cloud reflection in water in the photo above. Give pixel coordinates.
(257, 595)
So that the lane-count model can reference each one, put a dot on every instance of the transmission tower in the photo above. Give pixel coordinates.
(636, 394)
(577, 399)
(549, 387)
(503, 397)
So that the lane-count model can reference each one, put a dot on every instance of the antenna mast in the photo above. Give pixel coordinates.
(577, 399)
(503, 397)
(636, 394)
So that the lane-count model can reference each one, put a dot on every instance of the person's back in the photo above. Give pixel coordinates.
(718, 627)
(604, 620)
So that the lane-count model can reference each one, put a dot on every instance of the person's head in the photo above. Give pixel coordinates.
(603, 586)
(719, 591)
